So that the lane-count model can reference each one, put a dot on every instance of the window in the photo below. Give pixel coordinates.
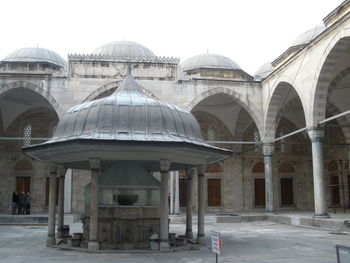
(27, 134)
(212, 134)
(284, 145)
(256, 137)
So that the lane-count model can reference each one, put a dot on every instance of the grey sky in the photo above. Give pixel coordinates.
(249, 32)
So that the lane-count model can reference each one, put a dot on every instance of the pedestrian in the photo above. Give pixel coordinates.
(21, 203)
(14, 203)
(28, 203)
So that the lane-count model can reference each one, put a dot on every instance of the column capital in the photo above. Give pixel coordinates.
(201, 169)
(316, 133)
(268, 148)
(95, 164)
(164, 165)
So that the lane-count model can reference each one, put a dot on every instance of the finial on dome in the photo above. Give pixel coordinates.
(129, 69)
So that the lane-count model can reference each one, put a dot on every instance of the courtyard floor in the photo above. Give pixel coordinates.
(261, 241)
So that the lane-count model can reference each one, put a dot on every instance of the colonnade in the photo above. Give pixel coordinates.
(315, 134)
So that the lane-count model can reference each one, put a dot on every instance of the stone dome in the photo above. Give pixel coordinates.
(308, 36)
(128, 115)
(123, 48)
(35, 54)
(210, 61)
(264, 71)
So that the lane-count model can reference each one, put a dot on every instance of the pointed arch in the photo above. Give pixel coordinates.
(276, 103)
(109, 88)
(323, 75)
(237, 97)
(38, 90)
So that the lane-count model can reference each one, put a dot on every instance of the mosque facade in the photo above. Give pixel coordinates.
(305, 90)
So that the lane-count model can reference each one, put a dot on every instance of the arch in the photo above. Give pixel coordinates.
(23, 165)
(343, 122)
(276, 104)
(112, 86)
(36, 89)
(322, 77)
(286, 168)
(242, 124)
(332, 166)
(258, 167)
(248, 105)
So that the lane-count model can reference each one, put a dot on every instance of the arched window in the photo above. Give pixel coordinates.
(256, 137)
(212, 134)
(27, 134)
(284, 145)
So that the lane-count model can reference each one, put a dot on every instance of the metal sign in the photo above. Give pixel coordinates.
(216, 243)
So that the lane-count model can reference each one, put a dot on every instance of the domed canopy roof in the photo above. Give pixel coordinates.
(308, 35)
(123, 48)
(128, 125)
(128, 114)
(35, 54)
(210, 61)
(264, 71)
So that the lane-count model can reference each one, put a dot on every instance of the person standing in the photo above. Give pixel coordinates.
(21, 203)
(28, 203)
(14, 203)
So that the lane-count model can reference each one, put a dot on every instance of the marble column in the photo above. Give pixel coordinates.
(176, 193)
(60, 216)
(51, 239)
(189, 202)
(201, 204)
(95, 166)
(68, 192)
(164, 205)
(316, 134)
(268, 149)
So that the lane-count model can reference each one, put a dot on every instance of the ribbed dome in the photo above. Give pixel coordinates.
(127, 49)
(212, 61)
(35, 54)
(308, 35)
(128, 115)
(264, 71)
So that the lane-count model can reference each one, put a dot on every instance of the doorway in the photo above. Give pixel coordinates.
(287, 192)
(22, 184)
(259, 192)
(335, 191)
(214, 192)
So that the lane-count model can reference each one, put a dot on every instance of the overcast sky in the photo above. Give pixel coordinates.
(250, 32)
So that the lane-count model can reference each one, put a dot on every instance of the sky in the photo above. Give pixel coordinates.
(250, 32)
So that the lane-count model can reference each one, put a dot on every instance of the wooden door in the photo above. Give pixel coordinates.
(214, 192)
(287, 191)
(335, 190)
(22, 184)
(183, 192)
(259, 191)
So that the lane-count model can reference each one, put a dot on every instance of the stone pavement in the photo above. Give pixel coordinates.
(252, 242)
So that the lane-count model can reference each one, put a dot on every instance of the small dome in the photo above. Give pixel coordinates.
(128, 115)
(35, 54)
(123, 48)
(308, 36)
(210, 61)
(264, 71)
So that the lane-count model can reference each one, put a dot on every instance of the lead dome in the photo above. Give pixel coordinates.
(124, 48)
(210, 61)
(35, 54)
(308, 36)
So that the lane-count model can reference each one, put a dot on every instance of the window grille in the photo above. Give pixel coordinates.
(27, 134)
